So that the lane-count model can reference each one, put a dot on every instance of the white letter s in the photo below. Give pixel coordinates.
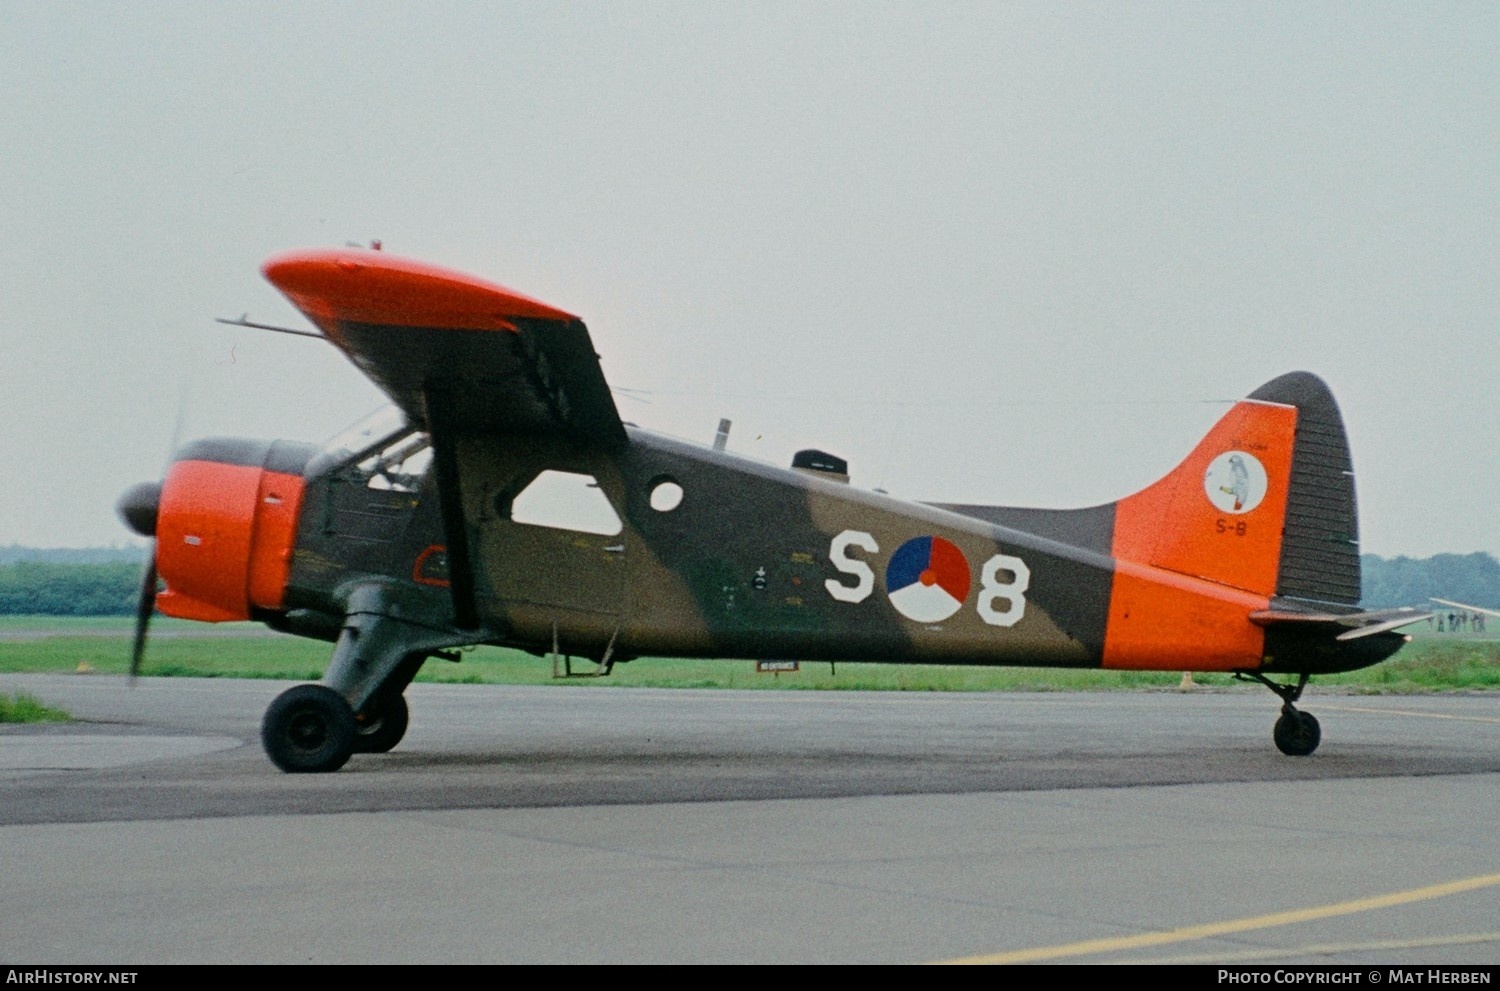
(838, 553)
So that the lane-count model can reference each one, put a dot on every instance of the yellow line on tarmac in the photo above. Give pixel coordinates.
(1140, 940)
(1325, 949)
(1408, 712)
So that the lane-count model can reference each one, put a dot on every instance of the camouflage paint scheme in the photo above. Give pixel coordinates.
(1244, 558)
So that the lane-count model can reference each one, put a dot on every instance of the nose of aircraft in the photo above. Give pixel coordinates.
(224, 519)
(138, 506)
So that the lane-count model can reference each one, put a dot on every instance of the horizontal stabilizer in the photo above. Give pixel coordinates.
(1356, 624)
(1465, 605)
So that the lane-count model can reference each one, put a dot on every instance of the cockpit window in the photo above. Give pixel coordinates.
(399, 466)
(382, 451)
(367, 432)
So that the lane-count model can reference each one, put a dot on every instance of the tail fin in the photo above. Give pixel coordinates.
(1264, 503)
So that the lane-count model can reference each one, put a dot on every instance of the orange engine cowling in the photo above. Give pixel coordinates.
(226, 528)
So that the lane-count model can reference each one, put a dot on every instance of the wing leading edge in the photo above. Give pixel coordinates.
(496, 360)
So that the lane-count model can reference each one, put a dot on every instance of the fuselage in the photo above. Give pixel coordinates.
(667, 548)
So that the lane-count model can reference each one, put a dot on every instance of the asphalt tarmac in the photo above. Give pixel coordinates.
(586, 824)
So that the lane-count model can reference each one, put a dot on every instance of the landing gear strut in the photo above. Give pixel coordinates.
(381, 724)
(1297, 733)
(358, 708)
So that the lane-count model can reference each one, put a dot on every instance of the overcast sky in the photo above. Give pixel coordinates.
(1005, 253)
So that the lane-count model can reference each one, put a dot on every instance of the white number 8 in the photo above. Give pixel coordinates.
(1012, 592)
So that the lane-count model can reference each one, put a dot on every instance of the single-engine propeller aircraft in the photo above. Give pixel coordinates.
(1243, 559)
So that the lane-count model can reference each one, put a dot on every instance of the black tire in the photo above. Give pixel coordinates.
(1297, 734)
(308, 729)
(377, 730)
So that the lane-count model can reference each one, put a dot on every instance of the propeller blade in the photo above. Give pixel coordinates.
(138, 507)
(143, 610)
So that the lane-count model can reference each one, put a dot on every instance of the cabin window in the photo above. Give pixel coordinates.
(665, 494)
(565, 501)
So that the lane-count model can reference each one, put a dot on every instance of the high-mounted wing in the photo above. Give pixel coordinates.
(446, 345)
(457, 354)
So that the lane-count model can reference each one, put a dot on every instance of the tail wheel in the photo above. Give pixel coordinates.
(1297, 733)
(308, 729)
(381, 727)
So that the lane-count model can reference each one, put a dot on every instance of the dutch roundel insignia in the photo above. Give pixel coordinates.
(927, 579)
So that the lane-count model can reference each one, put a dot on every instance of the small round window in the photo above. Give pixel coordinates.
(665, 494)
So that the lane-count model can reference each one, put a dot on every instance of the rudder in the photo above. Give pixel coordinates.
(1320, 546)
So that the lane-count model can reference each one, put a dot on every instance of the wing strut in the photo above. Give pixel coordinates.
(440, 427)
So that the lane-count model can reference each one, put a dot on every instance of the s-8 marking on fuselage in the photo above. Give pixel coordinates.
(932, 584)
(510, 505)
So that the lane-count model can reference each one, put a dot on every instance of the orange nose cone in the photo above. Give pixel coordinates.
(224, 539)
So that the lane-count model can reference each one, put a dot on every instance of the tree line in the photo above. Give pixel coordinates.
(41, 588)
(1473, 579)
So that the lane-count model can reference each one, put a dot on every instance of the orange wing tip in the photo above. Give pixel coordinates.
(357, 286)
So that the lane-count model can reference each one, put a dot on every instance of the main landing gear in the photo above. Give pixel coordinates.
(381, 726)
(1297, 733)
(359, 707)
(311, 728)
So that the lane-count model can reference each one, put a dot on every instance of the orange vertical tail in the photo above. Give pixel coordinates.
(1263, 507)
(1218, 515)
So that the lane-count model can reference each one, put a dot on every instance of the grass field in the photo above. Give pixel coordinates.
(23, 708)
(1431, 663)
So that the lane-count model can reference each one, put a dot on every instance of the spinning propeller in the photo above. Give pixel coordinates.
(138, 508)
